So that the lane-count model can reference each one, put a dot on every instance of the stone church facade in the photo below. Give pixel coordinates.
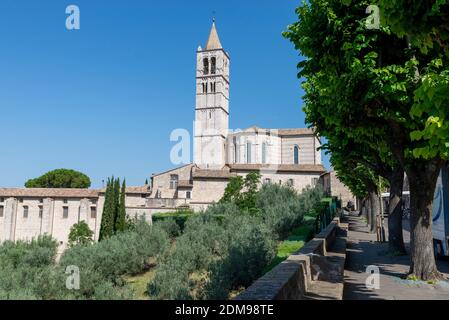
(284, 156)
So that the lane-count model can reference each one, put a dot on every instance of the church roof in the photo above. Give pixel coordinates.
(213, 43)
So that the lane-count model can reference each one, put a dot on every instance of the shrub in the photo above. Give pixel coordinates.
(180, 217)
(170, 227)
(281, 208)
(80, 234)
(124, 253)
(213, 256)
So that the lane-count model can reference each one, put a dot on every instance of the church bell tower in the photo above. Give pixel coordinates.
(212, 104)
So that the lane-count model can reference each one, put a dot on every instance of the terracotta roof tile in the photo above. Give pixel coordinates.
(47, 192)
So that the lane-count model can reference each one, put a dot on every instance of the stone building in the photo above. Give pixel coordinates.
(335, 188)
(28, 213)
(286, 156)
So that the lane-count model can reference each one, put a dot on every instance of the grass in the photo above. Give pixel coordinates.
(139, 283)
(296, 240)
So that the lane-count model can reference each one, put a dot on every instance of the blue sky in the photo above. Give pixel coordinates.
(104, 99)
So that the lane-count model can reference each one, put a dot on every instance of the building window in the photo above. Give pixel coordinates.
(65, 201)
(174, 178)
(2, 199)
(65, 212)
(93, 212)
(290, 183)
(296, 155)
(264, 153)
(25, 212)
(2, 209)
(213, 67)
(314, 181)
(41, 200)
(248, 152)
(41, 212)
(267, 181)
(188, 195)
(20, 200)
(206, 65)
(94, 201)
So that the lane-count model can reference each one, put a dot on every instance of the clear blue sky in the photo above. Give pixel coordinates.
(104, 99)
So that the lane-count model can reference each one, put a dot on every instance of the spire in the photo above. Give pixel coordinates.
(214, 41)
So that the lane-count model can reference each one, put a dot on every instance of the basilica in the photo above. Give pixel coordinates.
(282, 156)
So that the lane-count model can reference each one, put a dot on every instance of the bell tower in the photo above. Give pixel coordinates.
(212, 103)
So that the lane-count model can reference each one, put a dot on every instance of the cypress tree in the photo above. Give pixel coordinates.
(107, 226)
(115, 203)
(146, 182)
(120, 224)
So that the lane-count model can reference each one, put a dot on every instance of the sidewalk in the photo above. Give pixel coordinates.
(362, 251)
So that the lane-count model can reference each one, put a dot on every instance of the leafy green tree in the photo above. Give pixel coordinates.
(233, 190)
(251, 185)
(365, 83)
(60, 178)
(80, 234)
(121, 223)
(348, 157)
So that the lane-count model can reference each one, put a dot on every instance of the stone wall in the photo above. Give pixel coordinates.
(314, 272)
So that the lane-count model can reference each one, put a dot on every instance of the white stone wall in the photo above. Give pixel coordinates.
(14, 226)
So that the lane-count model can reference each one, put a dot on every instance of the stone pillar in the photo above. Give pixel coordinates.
(47, 216)
(9, 213)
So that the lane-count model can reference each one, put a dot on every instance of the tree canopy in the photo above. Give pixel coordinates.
(381, 88)
(60, 178)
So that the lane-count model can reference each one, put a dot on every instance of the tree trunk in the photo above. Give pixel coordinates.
(375, 209)
(368, 211)
(422, 178)
(395, 237)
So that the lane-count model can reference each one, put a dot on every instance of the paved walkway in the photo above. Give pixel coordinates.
(362, 251)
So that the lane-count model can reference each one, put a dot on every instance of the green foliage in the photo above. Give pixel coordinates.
(224, 249)
(120, 223)
(60, 178)
(242, 192)
(114, 218)
(233, 190)
(123, 253)
(28, 269)
(180, 217)
(213, 256)
(80, 234)
(170, 226)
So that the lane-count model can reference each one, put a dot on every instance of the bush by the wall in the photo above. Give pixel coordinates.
(213, 256)
(180, 217)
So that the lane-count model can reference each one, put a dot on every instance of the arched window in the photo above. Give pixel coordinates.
(248, 152)
(264, 153)
(213, 68)
(296, 155)
(206, 65)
